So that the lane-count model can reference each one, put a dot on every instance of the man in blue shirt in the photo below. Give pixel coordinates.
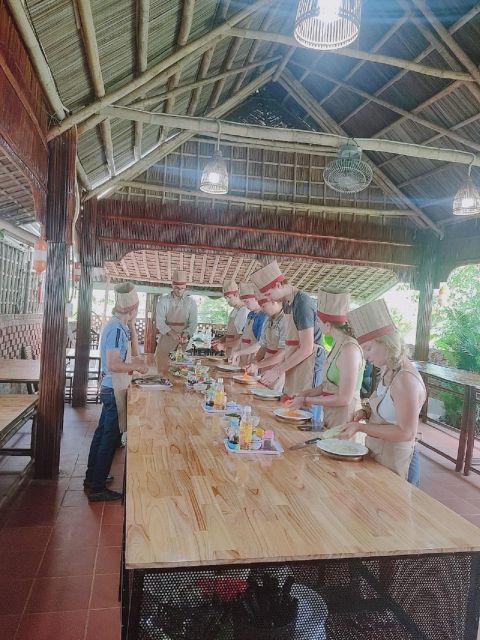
(253, 327)
(114, 343)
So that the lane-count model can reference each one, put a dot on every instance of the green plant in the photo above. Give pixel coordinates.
(460, 339)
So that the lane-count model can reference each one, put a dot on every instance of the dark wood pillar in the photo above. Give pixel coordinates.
(150, 326)
(84, 314)
(427, 281)
(58, 229)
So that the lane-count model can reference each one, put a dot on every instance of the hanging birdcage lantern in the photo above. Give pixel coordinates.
(348, 173)
(215, 173)
(467, 199)
(39, 256)
(327, 25)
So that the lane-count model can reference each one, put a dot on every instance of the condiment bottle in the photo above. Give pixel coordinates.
(209, 400)
(178, 355)
(268, 438)
(246, 428)
(219, 395)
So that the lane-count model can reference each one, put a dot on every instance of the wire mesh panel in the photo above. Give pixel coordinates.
(430, 597)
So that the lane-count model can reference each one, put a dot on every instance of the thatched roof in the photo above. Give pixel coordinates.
(412, 77)
(208, 270)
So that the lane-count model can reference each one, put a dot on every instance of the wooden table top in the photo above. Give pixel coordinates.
(12, 406)
(19, 370)
(93, 355)
(459, 376)
(190, 503)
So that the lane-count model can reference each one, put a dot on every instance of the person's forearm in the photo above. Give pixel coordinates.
(325, 401)
(271, 361)
(388, 432)
(301, 354)
(253, 348)
(122, 367)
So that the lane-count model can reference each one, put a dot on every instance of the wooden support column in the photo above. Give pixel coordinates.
(58, 228)
(427, 282)
(150, 327)
(84, 314)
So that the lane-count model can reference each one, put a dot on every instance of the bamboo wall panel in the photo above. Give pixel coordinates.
(61, 200)
(19, 288)
(127, 226)
(23, 111)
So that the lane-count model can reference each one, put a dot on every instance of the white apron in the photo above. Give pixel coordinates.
(120, 382)
(271, 337)
(300, 377)
(177, 321)
(248, 339)
(231, 333)
(396, 456)
(333, 416)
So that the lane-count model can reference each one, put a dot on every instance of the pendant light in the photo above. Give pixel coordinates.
(467, 199)
(215, 174)
(327, 25)
(39, 256)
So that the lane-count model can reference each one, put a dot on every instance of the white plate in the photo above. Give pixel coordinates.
(345, 448)
(228, 367)
(300, 415)
(266, 393)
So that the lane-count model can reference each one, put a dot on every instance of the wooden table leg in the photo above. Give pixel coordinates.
(462, 442)
(470, 417)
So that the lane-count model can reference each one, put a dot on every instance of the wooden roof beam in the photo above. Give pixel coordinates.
(319, 114)
(143, 20)
(93, 60)
(455, 27)
(358, 55)
(265, 202)
(168, 147)
(163, 69)
(226, 66)
(187, 88)
(315, 138)
(378, 45)
(392, 107)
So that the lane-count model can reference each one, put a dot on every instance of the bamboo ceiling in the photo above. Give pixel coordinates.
(425, 91)
(16, 199)
(207, 271)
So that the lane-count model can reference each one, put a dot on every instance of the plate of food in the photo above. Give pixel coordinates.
(295, 415)
(342, 448)
(153, 382)
(266, 394)
(246, 378)
(221, 366)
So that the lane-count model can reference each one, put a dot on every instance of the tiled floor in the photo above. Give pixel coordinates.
(60, 555)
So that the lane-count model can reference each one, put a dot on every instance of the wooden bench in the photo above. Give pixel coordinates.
(15, 411)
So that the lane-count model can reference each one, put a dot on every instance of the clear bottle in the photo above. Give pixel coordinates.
(246, 428)
(219, 395)
(179, 355)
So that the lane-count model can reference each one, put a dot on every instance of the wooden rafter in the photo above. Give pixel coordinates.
(143, 20)
(392, 107)
(202, 72)
(163, 69)
(93, 59)
(324, 119)
(158, 153)
(359, 55)
(397, 77)
(210, 125)
(214, 269)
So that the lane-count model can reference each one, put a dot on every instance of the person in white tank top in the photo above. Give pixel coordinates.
(393, 415)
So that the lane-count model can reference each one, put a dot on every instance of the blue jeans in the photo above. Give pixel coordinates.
(414, 469)
(105, 441)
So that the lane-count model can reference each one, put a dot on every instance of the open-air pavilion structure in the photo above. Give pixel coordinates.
(111, 109)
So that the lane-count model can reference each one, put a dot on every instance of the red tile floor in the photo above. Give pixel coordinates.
(60, 555)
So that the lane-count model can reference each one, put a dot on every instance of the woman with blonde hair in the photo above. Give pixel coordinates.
(392, 417)
(339, 393)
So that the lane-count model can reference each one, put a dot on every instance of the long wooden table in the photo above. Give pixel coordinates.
(15, 410)
(386, 560)
(19, 370)
(470, 382)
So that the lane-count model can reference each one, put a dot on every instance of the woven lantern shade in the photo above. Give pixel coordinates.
(348, 173)
(327, 24)
(467, 199)
(215, 175)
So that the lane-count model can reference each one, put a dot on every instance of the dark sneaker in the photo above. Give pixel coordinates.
(87, 484)
(106, 495)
